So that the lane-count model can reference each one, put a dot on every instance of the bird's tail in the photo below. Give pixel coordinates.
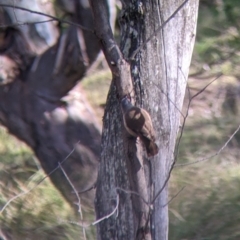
(151, 147)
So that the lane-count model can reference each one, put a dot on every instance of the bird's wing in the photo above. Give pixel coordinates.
(147, 129)
(138, 123)
(134, 120)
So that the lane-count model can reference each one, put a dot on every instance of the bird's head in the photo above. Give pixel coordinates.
(126, 103)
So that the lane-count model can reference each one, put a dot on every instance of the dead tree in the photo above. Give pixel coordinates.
(151, 65)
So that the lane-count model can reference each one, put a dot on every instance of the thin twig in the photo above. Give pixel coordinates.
(186, 116)
(47, 15)
(60, 220)
(78, 198)
(109, 215)
(188, 107)
(203, 89)
(13, 198)
(174, 197)
(88, 189)
(158, 29)
(37, 184)
(135, 193)
(180, 137)
(169, 100)
(25, 23)
(97, 221)
(213, 155)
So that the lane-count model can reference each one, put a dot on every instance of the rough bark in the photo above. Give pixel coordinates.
(165, 63)
(158, 73)
(37, 107)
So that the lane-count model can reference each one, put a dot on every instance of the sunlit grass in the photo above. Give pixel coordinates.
(41, 213)
(97, 86)
(208, 207)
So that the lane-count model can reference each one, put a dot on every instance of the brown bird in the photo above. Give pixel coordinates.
(138, 123)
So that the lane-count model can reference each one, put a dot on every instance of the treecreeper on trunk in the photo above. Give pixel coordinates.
(138, 123)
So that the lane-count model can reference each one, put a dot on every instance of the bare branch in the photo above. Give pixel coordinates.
(89, 188)
(170, 100)
(174, 196)
(97, 221)
(47, 15)
(25, 23)
(60, 220)
(78, 198)
(188, 107)
(135, 193)
(37, 184)
(180, 137)
(213, 155)
(13, 198)
(109, 215)
(218, 76)
(119, 67)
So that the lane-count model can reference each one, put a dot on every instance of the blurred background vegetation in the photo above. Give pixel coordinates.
(209, 205)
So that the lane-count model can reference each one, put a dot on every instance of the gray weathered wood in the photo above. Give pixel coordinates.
(158, 74)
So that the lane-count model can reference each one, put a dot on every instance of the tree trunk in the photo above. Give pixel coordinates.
(128, 181)
(37, 107)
